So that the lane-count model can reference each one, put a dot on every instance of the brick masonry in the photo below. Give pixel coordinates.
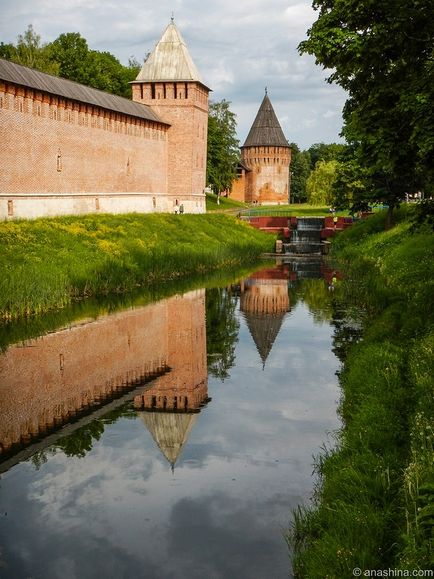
(185, 106)
(64, 157)
(267, 180)
(46, 381)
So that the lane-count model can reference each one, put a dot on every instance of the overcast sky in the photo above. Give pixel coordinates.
(239, 47)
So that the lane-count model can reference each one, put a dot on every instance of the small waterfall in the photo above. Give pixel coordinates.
(310, 223)
(306, 238)
(309, 268)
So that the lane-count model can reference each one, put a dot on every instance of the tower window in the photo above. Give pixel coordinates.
(10, 207)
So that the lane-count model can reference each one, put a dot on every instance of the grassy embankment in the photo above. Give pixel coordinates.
(228, 205)
(46, 264)
(374, 504)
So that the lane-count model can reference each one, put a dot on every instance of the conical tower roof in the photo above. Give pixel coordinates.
(264, 329)
(266, 130)
(170, 60)
(170, 430)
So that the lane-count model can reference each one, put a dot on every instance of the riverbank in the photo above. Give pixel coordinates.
(47, 264)
(373, 505)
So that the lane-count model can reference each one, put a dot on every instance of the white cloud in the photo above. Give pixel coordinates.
(238, 48)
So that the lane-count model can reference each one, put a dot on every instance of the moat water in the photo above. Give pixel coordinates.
(172, 439)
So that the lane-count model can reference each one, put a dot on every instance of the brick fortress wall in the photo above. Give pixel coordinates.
(185, 106)
(61, 157)
(46, 381)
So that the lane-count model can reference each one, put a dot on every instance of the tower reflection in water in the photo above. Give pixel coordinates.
(55, 379)
(264, 301)
(169, 408)
(155, 355)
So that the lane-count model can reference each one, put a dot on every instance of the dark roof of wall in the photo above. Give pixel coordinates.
(34, 79)
(266, 130)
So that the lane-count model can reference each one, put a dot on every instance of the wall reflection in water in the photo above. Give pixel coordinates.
(46, 382)
(97, 497)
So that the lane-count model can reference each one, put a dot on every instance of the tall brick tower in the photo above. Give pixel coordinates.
(170, 83)
(267, 156)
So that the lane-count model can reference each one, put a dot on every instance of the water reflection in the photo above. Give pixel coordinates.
(169, 407)
(265, 301)
(102, 499)
(46, 382)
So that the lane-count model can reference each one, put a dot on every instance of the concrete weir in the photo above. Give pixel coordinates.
(305, 236)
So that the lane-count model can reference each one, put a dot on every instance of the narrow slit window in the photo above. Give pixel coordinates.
(59, 161)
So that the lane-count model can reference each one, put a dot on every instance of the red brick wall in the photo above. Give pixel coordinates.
(238, 189)
(187, 112)
(45, 381)
(55, 145)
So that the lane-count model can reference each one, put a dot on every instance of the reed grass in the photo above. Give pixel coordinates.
(48, 263)
(373, 506)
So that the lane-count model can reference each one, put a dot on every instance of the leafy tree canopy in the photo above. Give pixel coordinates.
(300, 170)
(382, 53)
(69, 56)
(223, 146)
(29, 51)
(325, 152)
(319, 185)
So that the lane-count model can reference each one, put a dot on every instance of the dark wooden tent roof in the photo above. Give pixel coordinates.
(34, 79)
(266, 130)
(264, 329)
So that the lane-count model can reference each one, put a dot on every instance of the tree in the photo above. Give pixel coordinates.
(300, 170)
(223, 146)
(324, 152)
(222, 329)
(319, 185)
(30, 52)
(382, 53)
(69, 56)
(93, 68)
(71, 52)
(351, 187)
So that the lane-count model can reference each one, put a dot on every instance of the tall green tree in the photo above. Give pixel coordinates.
(223, 146)
(222, 329)
(69, 56)
(382, 53)
(29, 51)
(319, 185)
(93, 68)
(325, 152)
(300, 170)
(71, 52)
